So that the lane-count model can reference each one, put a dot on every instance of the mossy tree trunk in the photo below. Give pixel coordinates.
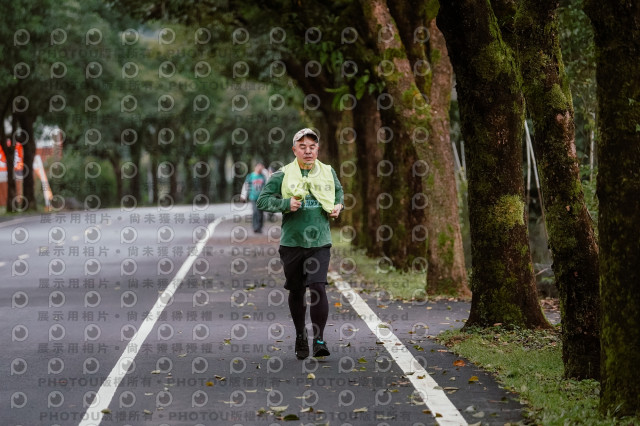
(445, 252)
(617, 38)
(433, 76)
(571, 235)
(424, 212)
(492, 113)
(403, 232)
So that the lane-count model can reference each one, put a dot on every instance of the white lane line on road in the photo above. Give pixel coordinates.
(105, 394)
(13, 222)
(429, 390)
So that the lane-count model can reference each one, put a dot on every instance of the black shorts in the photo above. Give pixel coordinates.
(303, 266)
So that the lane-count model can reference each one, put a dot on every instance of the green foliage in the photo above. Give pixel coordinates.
(578, 56)
(256, 133)
(76, 180)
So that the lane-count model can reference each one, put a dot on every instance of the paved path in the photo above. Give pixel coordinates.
(98, 327)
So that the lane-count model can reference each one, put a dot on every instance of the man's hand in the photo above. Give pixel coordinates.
(294, 204)
(336, 210)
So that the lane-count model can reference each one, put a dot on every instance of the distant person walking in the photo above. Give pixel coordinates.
(253, 184)
(308, 193)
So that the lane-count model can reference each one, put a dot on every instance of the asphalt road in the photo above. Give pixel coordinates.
(178, 317)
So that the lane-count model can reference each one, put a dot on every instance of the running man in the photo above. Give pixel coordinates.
(308, 193)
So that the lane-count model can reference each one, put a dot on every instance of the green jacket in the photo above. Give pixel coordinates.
(306, 227)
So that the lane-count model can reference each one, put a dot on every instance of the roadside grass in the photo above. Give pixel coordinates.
(529, 362)
(375, 273)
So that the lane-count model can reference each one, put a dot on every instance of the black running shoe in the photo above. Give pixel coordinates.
(320, 348)
(302, 346)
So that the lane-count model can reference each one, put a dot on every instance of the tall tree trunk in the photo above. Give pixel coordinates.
(329, 129)
(173, 182)
(428, 211)
(29, 150)
(366, 122)
(571, 236)
(188, 179)
(617, 38)
(114, 159)
(330, 124)
(492, 114)
(445, 253)
(221, 181)
(136, 158)
(351, 183)
(154, 179)
(204, 182)
(404, 238)
(433, 75)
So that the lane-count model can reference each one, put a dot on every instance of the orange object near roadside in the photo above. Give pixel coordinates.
(18, 158)
(18, 161)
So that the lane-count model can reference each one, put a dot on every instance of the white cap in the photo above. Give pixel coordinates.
(305, 132)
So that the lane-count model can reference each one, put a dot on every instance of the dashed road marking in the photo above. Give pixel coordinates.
(428, 389)
(105, 394)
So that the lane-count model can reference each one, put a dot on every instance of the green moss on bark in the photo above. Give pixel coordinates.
(507, 213)
(557, 99)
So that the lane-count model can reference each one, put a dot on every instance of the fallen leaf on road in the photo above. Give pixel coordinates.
(209, 383)
(473, 379)
(459, 363)
(383, 417)
(311, 376)
(361, 410)
(106, 411)
(290, 417)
